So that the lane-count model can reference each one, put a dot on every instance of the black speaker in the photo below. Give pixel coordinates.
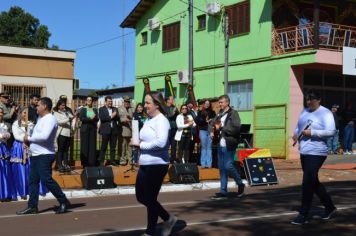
(97, 178)
(260, 171)
(183, 173)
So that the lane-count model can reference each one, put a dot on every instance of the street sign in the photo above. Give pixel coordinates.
(349, 61)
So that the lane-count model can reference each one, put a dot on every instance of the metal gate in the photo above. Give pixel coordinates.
(269, 128)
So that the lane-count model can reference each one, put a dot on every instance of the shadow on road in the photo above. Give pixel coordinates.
(267, 212)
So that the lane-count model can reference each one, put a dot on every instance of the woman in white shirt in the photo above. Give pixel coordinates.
(154, 161)
(184, 136)
(64, 118)
(315, 125)
(20, 157)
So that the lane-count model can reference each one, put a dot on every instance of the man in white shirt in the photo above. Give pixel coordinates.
(41, 144)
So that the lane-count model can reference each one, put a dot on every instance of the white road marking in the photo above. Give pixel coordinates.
(204, 222)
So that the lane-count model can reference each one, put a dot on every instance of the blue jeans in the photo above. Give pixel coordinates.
(333, 142)
(311, 165)
(348, 137)
(205, 153)
(148, 183)
(226, 167)
(41, 169)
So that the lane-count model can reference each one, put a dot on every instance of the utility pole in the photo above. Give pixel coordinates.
(123, 48)
(190, 59)
(316, 19)
(226, 67)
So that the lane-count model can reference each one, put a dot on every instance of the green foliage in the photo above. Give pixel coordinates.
(19, 28)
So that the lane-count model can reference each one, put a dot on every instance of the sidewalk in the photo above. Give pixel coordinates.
(336, 168)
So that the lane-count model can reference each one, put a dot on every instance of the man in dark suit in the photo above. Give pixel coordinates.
(109, 130)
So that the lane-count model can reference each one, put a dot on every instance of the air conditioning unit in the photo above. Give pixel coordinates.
(183, 77)
(153, 23)
(213, 8)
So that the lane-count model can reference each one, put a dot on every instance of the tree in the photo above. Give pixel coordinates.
(19, 28)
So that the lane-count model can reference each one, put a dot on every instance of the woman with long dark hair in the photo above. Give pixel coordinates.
(139, 115)
(89, 118)
(64, 118)
(154, 161)
(203, 119)
(185, 123)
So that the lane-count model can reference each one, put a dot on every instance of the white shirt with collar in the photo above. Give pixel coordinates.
(43, 136)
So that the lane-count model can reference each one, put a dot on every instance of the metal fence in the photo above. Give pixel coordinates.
(301, 37)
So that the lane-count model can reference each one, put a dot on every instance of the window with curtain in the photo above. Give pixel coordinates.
(241, 95)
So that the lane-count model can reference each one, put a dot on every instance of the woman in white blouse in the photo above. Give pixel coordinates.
(64, 131)
(185, 122)
(154, 161)
(20, 157)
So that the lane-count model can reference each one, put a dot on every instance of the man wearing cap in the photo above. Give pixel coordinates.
(333, 142)
(126, 115)
(9, 110)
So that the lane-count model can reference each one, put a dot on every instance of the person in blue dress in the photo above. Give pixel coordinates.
(7, 191)
(19, 156)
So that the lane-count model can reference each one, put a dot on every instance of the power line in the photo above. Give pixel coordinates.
(193, 6)
(120, 36)
(102, 42)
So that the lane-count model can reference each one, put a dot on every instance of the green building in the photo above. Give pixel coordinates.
(277, 49)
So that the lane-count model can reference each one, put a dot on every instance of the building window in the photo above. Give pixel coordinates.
(21, 94)
(143, 38)
(201, 22)
(239, 18)
(171, 36)
(241, 95)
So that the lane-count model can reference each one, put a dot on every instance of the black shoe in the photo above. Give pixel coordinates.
(241, 190)
(328, 213)
(63, 207)
(219, 196)
(28, 211)
(300, 220)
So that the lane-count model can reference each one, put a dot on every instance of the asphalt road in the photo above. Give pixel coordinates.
(262, 211)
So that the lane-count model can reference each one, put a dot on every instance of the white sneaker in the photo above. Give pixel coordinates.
(168, 225)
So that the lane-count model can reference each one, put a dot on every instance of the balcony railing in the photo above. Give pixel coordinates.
(301, 37)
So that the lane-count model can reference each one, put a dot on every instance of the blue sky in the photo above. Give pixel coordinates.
(79, 23)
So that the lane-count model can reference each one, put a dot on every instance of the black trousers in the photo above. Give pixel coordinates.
(184, 148)
(105, 140)
(41, 170)
(173, 145)
(311, 165)
(63, 148)
(148, 183)
(88, 147)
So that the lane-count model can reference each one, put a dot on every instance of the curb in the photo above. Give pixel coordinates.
(130, 190)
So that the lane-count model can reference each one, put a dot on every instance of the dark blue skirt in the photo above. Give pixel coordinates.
(7, 188)
(4, 151)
